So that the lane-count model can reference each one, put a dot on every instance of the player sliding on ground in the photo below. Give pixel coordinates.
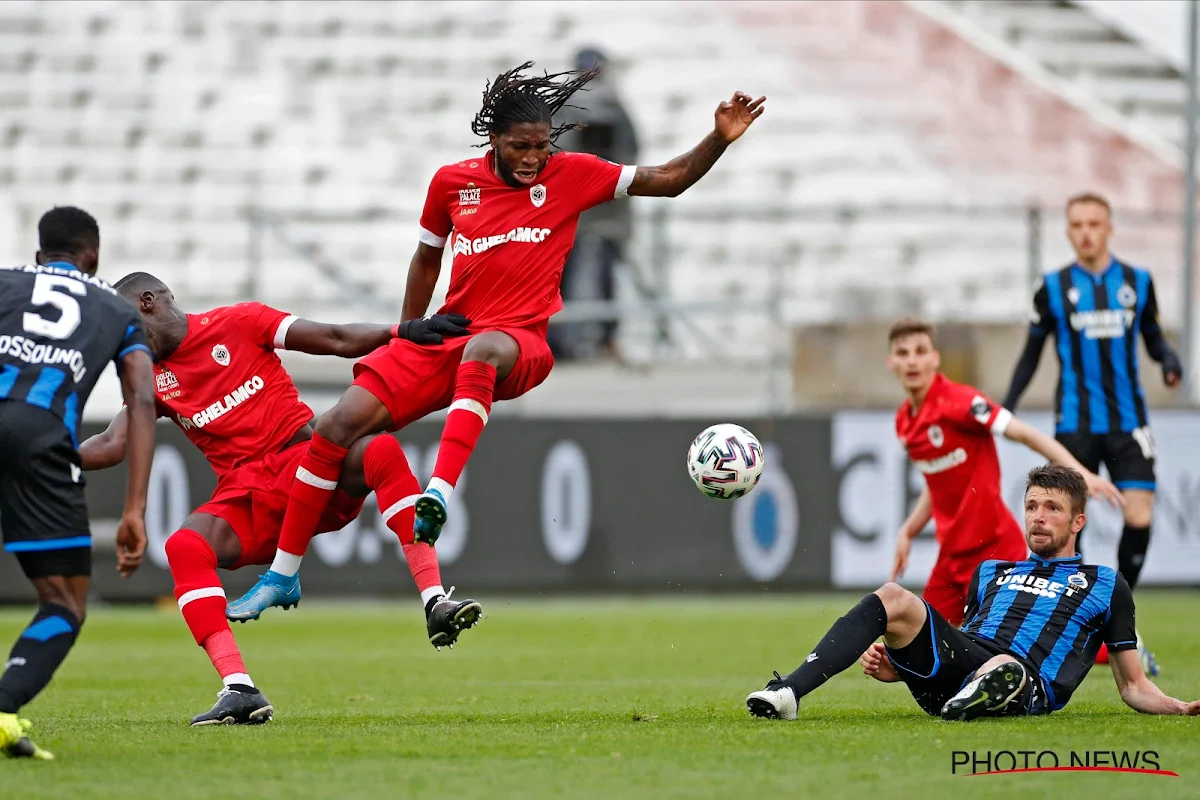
(511, 214)
(949, 431)
(218, 378)
(1032, 630)
(60, 325)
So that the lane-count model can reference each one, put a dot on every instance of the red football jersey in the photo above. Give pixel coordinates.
(509, 244)
(950, 441)
(227, 389)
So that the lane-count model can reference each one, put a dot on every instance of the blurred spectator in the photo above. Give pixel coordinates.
(604, 231)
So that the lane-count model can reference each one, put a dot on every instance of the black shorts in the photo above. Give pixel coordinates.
(43, 517)
(1129, 457)
(934, 674)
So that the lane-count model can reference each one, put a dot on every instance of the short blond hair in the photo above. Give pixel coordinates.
(1089, 197)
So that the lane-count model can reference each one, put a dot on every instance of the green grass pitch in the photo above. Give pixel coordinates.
(564, 698)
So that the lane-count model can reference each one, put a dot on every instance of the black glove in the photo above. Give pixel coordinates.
(431, 331)
(1172, 369)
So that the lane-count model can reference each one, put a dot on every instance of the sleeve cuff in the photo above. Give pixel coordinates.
(281, 332)
(1000, 423)
(133, 348)
(624, 182)
(430, 238)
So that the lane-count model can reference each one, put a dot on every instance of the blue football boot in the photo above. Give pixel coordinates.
(271, 590)
(431, 516)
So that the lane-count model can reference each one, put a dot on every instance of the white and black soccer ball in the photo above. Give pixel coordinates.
(725, 461)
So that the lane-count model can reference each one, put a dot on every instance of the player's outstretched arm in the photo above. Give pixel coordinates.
(359, 339)
(137, 387)
(1156, 343)
(1018, 430)
(1139, 692)
(423, 273)
(105, 449)
(921, 514)
(1025, 369)
(675, 177)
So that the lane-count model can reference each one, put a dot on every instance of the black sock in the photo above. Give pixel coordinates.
(1131, 553)
(848, 639)
(36, 655)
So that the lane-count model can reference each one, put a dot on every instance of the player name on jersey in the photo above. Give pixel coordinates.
(32, 352)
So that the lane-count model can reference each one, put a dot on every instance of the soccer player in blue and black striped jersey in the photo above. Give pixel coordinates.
(1031, 633)
(60, 326)
(1095, 308)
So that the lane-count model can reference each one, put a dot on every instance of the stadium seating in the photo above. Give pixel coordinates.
(886, 122)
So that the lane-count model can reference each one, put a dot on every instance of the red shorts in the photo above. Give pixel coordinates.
(952, 574)
(254, 496)
(413, 380)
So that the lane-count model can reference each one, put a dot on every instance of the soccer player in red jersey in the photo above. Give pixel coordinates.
(948, 430)
(509, 216)
(218, 378)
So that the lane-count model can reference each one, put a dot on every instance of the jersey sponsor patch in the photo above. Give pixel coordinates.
(933, 466)
(231, 401)
(481, 244)
(981, 409)
(165, 381)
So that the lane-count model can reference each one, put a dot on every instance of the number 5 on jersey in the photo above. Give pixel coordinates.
(46, 292)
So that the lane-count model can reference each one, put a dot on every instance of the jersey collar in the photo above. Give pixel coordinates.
(936, 386)
(1078, 557)
(64, 265)
(1098, 276)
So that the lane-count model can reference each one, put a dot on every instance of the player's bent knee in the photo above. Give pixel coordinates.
(493, 347)
(899, 602)
(186, 546)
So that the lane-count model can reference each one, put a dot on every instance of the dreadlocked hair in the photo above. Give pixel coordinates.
(513, 98)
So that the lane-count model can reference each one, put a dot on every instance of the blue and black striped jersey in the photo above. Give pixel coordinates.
(59, 327)
(1053, 614)
(1095, 319)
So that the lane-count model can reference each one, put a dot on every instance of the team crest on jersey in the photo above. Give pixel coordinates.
(165, 381)
(220, 354)
(1073, 296)
(1126, 296)
(537, 195)
(1078, 580)
(936, 437)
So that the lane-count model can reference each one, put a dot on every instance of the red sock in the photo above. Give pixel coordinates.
(474, 387)
(316, 479)
(202, 600)
(387, 472)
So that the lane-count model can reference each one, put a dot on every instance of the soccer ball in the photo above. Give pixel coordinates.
(725, 461)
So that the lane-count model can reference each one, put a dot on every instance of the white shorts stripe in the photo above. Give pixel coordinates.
(430, 238)
(474, 406)
(305, 476)
(200, 594)
(281, 331)
(623, 182)
(398, 506)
